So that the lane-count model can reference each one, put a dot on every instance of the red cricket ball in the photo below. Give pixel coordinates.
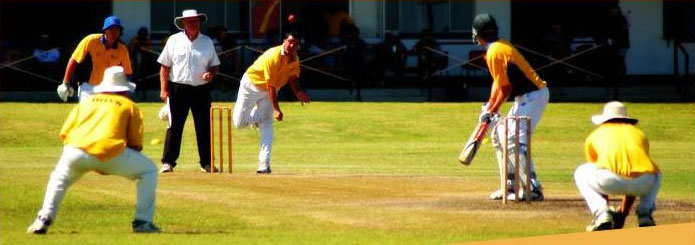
(290, 18)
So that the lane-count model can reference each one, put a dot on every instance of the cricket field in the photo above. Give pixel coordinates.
(343, 173)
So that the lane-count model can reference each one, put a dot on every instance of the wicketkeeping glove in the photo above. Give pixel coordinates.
(65, 91)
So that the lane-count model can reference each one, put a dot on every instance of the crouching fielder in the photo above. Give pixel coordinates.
(257, 102)
(618, 164)
(103, 134)
(513, 77)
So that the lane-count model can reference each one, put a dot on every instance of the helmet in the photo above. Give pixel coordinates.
(112, 21)
(484, 27)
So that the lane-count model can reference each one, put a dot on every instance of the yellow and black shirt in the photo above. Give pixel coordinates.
(508, 67)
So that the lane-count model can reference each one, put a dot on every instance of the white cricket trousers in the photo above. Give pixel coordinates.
(131, 164)
(253, 107)
(532, 105)
(594, 182)
(85, 90)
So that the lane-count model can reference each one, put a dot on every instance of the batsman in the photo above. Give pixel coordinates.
(512, 77)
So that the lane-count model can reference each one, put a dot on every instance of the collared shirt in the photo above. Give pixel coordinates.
(188, 60)
(508, 66)
(101, 56)
(273, 68)
(103, 125)
(621, 148)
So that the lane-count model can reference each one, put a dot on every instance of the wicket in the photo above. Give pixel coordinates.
(516, 122)
(220, 112)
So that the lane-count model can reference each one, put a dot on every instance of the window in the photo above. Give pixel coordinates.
(230, 14)
(444, 17)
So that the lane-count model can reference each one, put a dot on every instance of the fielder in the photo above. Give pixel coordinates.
(103, 134)
(618, 164)
(257, 102)
(512, 77)
(105, 50)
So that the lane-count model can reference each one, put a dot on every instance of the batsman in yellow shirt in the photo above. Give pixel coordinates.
(618, 164)
(512, 76)
(257, 102)
(103, 134)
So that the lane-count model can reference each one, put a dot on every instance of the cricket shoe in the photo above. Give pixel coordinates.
(602, 221)
(618, 218)
(645, 220)
(264, 171)
(206, 169)
(166, 168)
(40, 225)
(497, 195)
(141, 226)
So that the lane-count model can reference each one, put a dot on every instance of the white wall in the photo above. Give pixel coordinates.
(501, 10)
(649, 53)
(133, 14)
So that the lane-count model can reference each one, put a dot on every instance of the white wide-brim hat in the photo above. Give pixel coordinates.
(114, 81)
(612, 110)
(189, 13)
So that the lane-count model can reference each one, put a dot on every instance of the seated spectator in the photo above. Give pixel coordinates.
(47, 57)
(229, 56)
(428, 61)
(391, 54)
(142, 59)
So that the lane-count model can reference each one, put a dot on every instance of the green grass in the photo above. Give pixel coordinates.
(346, 173)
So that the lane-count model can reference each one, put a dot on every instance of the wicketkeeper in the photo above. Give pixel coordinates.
(103, 50)
(512, 77)
(103, 134)
(618, 163)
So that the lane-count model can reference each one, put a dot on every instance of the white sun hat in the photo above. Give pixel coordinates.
(612, 110)
(189, 13)
(114, 81)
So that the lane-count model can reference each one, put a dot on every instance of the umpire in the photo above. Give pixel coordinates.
(189, 63)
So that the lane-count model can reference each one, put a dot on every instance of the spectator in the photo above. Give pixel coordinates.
(390, 55)
(583, 41)
(185, 83)
(618, 40)
(141, 48)
(556, 46)
(354, 58)
(229, 56)
(427, 61)
(47, 57)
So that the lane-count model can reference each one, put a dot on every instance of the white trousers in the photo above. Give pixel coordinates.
(253, 107)
(131, 164)
(85, 90)
(594, 182)
(532, 105)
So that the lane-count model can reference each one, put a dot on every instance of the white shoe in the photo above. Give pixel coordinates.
(166, 168)
(602, 221)
(497, 195)
(40, 225)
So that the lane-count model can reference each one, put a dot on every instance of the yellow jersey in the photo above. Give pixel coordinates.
(508, 66)
(103, 126)
(621, 148)
(101, 56)
(273, 69)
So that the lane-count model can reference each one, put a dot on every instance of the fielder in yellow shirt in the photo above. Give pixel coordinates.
(618, 164)
(103, 134)
(257, 102)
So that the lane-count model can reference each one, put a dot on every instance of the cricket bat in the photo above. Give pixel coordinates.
(473, 143)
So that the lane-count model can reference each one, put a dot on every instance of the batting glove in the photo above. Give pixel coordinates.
(65, 91)
(487, 117)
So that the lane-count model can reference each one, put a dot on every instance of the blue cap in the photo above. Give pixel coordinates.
(111, 21)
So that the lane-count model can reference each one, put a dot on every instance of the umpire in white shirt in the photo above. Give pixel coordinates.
(189, 63)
